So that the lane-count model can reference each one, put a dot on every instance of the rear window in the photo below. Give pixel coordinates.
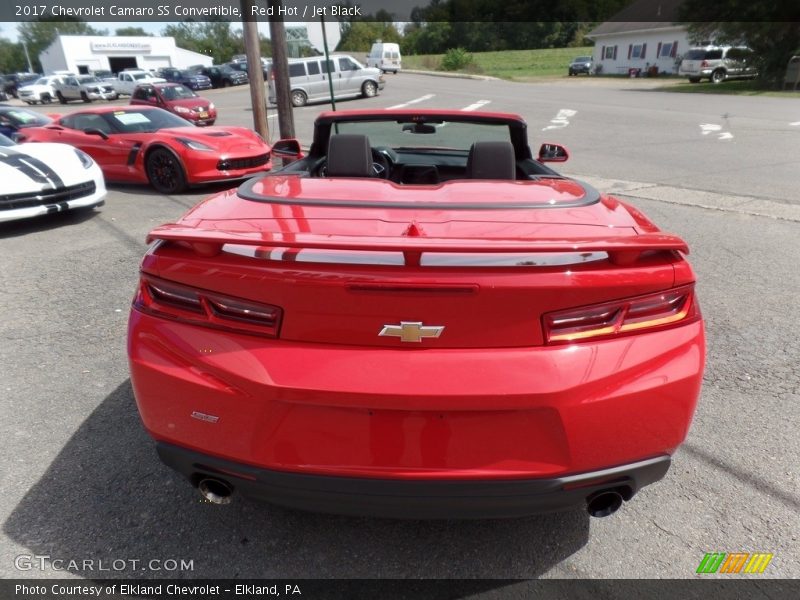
(695, 55)
(440, 135)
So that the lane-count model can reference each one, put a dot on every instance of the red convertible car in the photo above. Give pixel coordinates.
(140, 144)
(417, 318)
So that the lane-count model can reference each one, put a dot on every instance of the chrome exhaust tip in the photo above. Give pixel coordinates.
(215, 491)
(604, 503)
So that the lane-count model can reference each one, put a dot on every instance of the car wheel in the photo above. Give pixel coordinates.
(718, 76)
(46, 99)
(61, 98)
(694, 80)
(29, 103)
(226, 83)
(165, 171)
(369, 89)
(299, 98)
(85, 98)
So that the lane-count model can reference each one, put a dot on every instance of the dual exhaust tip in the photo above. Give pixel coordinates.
(600, 504)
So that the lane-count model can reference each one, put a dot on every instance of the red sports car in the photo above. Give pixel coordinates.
(417, 318)
(177, 99)
(140, 144)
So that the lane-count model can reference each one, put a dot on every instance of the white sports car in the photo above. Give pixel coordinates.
(40, 179)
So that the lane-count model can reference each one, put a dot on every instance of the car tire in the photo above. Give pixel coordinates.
(46, 99)
(85, 97)
(226, 83)
(299, 98)
(165, 171)
(718, 76)
(694, 80)
(369, 89)
(61, 98)
(29, 103)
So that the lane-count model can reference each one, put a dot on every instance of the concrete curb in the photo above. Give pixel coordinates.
(747, 205)
(452, 75)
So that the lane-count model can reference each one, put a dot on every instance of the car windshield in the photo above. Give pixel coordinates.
(139, 76)
(4, 141)
(89, 79)
(428, 136)
(177, 92)
(25, 118)
(144, 120)
(188, 74)
(42, 81)
(583, 59)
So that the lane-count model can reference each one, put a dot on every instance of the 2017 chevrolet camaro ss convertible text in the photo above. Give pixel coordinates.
(418, 319)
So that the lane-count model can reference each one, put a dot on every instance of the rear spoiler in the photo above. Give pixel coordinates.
(622, 250)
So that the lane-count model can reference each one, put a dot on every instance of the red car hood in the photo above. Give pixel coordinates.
(554, 215)
(223, 139)
(189, 102)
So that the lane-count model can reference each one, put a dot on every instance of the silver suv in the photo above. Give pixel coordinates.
(718, 63)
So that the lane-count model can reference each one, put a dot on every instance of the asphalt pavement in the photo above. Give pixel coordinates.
(81, 480)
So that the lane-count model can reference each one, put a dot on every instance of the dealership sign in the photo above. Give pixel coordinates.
(121, 46)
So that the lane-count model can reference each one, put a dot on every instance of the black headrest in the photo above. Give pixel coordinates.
(349, 155)
(491, 160)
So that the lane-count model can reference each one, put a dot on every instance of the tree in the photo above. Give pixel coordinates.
(40, 34)
(212, 38)
(126, 31)
(12, 57)
(771, 29)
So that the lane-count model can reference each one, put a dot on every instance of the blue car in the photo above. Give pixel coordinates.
(191, 79)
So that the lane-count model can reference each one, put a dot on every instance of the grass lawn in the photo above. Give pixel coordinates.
(508, 64)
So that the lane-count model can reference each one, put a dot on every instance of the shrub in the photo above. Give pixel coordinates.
(456, 59)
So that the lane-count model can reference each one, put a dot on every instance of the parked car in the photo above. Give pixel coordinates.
(241, 66)
(84, 87)
(41, 179)
(13, 119)
(13, 81)
(191, 79)
(718, 63)
(177, 99)
(418, 319)
(141, 144)
(128, 80)
(581, 64)
(385, 56)
(224, 76)
(42, 90)
(308, 79)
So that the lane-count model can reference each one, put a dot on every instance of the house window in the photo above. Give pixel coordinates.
(637, 51)
(666, 50)
(609, 52)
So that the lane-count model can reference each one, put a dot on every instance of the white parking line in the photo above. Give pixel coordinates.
(414, 101)
(476, 106)
(562, 119)
(795, 124)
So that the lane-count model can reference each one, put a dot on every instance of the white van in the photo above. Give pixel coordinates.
(308, 79)
(385, 56)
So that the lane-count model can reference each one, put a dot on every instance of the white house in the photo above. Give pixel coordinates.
(88, 53)
(642, 36)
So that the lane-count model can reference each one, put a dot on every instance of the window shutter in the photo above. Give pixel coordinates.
(674, 52)
(658, 50)
(630, 49)
(603, 54)
(615, 53)
(644, 49)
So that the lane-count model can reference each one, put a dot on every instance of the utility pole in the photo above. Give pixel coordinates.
(27, 57)
(254, 70)
(280, 71)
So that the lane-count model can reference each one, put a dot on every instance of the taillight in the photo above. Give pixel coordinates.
(673, 307)
(704, 63)
(179, 302)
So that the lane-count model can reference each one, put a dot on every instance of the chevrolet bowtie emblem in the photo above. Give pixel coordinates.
(412, 331)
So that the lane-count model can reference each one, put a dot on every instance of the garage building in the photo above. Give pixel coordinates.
(88, 53)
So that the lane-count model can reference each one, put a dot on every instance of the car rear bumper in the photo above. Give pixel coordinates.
(419, 499)
(415, 414)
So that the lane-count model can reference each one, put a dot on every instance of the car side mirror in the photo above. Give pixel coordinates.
(553, 153)
(95, 131)
(287, 149)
